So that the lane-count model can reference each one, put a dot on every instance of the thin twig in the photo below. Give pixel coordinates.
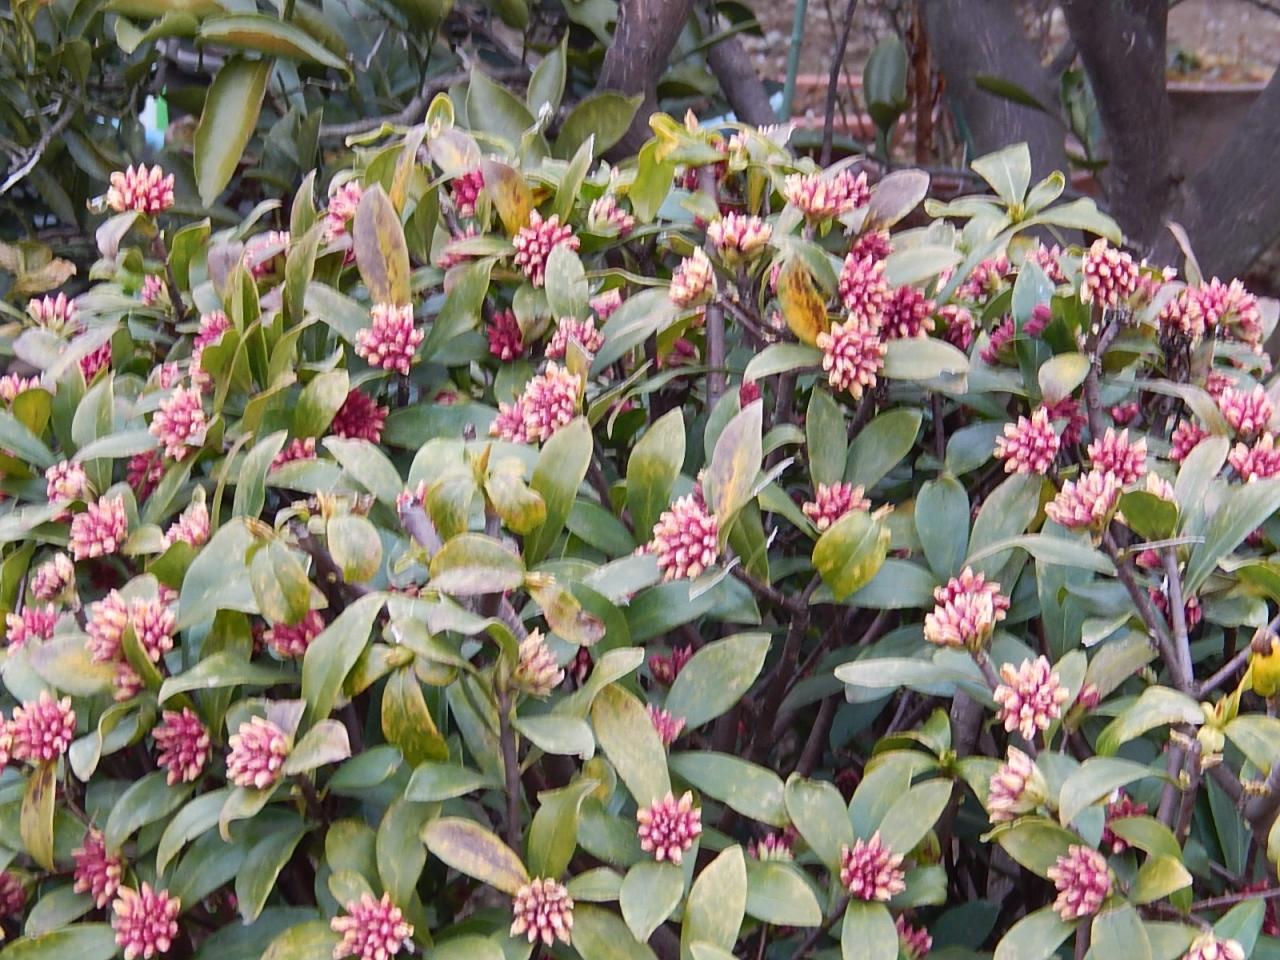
(511, 770)
(833, 82)
(1226, 672)
(37, 151)
(411, 112)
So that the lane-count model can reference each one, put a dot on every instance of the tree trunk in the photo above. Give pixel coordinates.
(1231, 209)
(971, 38)
(742, 87)
(1122, 45)
(647, 31)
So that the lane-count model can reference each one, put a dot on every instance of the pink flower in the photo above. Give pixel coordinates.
(1248, 414)
(967, 611)
(154, 624)
(66, 481)
(95, 360)
(542, 910)
(1118, 809)
(1110, 276)
(772, 846)
(154, 291)
(466, 191)
(1125, 413)
(605, 217)
(258, 752)
(666, 724)
(212, 326)
(43, 729)
(958, 326)
(1114, 453)
(141, 190)
(454, 253)
(344, 199)
(833, 501)
(1016, 788)
(1029, 446)
(863, 289)
(1229, 306)
(13, 895)
(1041, 317)
(1182, 316)
(144, 472)
(535, 241)
(292, 641)
(606, 303)
(1001, 337)
(1083, 882)
(668, 827)
(183, 743)
(98, 870)
(101, 530)
(1191, 609)
(665, 669)
(6, 743)
(299, 448)
(391, 340)
(549, 402)
(55, 314)
(506, 341)
(869, 870)
(145, 922)
(1217, 380)
(53, 577)
(1208, 947)
(1086, 503)
(1031, 696)
(1047, 259)
(583, 332)
(821, 197)
(915, 941)
(986, 280)
(537, 673)
(32, 624)
(1259, 462)
(694, 281)
(876, 244)
(852, 355)
(192, 526)
(372, 929)
(685, 540)
(11, 385)
(1186, 437)
(264, 253)
(108, 619)
(180, 423)
(738, 236)
(907, 314)
(359, 418)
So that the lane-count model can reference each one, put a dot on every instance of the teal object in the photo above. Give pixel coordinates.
(793, 60)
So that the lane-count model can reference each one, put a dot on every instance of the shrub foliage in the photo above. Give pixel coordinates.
(704, 556)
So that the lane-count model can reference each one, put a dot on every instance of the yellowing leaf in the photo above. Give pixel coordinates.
(802, 307)
(510, 194)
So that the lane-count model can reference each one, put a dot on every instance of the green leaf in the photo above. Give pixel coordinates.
(280, 584)
(471, 564)
(818, 812)
(1051, 549)
(462, 306)
(197, 817)
(546, 86)
(1036, 936)
(1242, 923)
(1060, 376)
(1242, 510)
(370, 467)
(731, 474)
(1008, 171)
(1007, 512)
(17, 438)
(652, 470)
(146, 801)
(251, 488)
(926, 359)
(1008, 90)
(880, 445)
(257, 877)
(894, 197)
(495, 110)
(313, 940)
(1155, 707)
(884, 82)
(868, 932)
(355, 545)
(1035, 842)
(331, 655)
(268, 35)
(320, 400)
(382, 255)
(606, 116)
(781, 358)
(562, 465)
(566, 283)
(777, 894)
(406, 721)
(230, 115)
(942, 524)
(850, 552)
(1119, 933)
(84, 941)
(36, 821)
(751, 790)
(444, 781)
(650, 891)
(600, 934)
(559, 735)
(1158, 878)
(915, 265)
(716, 904)
(471, 849)
(913, 815)
(553, 835)
(716, 677)
(825, 438)
(626, 735)
(323, 744)
(1147, 834)
(400, 861)
(223, 669)
(652, 183)
(1095, 779)
(1149, 516)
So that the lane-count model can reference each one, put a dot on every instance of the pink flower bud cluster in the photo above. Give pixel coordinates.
(140, 190)
(549, 402)
(869, 870)
(833, 501)
(535, 241)
(967, 610)
(1030, 696)
(391, 340)
(1030, 445)
(668, 827)
(685, 540)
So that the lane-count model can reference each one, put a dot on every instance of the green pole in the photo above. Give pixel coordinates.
(793, 59)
